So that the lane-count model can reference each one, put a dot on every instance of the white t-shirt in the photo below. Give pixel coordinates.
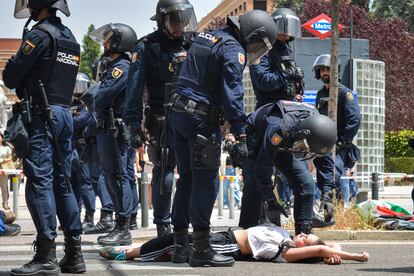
(265, 240)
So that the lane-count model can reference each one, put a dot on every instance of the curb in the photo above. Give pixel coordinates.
(364, 235)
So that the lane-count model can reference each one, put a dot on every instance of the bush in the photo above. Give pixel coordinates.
(399, 164)
(396, 144)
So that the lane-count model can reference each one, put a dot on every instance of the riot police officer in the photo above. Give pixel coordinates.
(348, 121)
(211, 80)
(44, 74)
(80, 177)
(155, 64)
(118, 40)
(284, 134)
(274, 77)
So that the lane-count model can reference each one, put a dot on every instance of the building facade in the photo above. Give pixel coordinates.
(235, 8)
(8, 48)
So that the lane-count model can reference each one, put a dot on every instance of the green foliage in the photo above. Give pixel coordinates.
(296, 5)
(403, 9)
(399, 164)
(91, 50)
(396, 143)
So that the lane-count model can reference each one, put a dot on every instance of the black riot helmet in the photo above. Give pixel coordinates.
(323, 61)
(320, 140)
(176, 12)
(23, 7)
(257, 32)
(287, 22)
(81, 85)
(121, 36)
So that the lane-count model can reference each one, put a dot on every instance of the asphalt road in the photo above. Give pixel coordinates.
(386, 258)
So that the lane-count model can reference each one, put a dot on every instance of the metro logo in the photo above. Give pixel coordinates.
(320, 26)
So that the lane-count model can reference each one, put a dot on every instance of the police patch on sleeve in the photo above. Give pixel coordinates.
(116, 73)
(242, 58)
(350, 96)
(28, 47)
(276, 139)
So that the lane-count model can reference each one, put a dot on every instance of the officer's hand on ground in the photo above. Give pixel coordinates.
(136, 137)
(239, 152)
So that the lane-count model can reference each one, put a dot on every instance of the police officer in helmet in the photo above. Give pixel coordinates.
(274, 77)
(113, 138)
(42, 62)
(348, 121)
(285, 134)
(156, 61)
(210, 82)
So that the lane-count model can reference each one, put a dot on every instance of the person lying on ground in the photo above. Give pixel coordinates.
(261, 243)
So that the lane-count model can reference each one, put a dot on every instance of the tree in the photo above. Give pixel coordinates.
(296, 5)
(388, 42)
(403, 9)
(91, 50)
(333, 86)
(362, 3)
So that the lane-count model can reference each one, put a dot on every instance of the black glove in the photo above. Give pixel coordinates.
(273, 210)
(327, 206)
(136, 137)
(295, 72)
(239, 152)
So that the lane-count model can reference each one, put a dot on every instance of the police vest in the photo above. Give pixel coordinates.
(164, 66)
(63, 66)
(203, 68)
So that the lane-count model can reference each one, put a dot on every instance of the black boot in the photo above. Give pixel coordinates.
(204, 255)
(133, 225)
(121, 234)
(104, 225)
(72, 262)
(87, 223)
(182, 250)
(163, 229)
(303, 228)
(44, 261)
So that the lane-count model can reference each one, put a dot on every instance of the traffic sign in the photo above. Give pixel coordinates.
(320, 26)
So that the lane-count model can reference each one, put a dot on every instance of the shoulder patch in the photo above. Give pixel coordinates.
(27, 47)
(276, 139)
(116, 73)
(242, 58)
(350, 96)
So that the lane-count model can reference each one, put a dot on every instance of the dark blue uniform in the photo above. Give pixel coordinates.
(153, 65)
(210, 79)
(42, 57)
(348, 121)
(111, 93)
(81, 178)
(271, 84)
(271, 125)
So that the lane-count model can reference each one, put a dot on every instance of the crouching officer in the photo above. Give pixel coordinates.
(81, 178)
(210, 80)
(118, 39)
(156, 61)
(44, 72)
(283, 134)
(274, 77)
(348, 121)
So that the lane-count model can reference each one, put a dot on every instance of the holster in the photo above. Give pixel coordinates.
(154, 123)
(205, 152)
(16, 134)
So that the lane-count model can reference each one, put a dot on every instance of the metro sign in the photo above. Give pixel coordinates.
(321, 26)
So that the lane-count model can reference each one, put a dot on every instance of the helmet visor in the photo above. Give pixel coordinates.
(81, 85)
(21, 9)
(302, 151)
(102, 34)
(288, 25)
(257, 49)
(181, 18)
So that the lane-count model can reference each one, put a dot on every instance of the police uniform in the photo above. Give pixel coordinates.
(49, 53)
(271, 84)
(210, 78)
(110, 94)
(270, 127)
(80, 178)
(348, 121)
(155, 63)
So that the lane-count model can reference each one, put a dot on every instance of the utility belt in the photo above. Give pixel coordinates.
(121, 128)
(189, 106)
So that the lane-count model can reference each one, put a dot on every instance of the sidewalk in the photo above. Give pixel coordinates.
(400, 195)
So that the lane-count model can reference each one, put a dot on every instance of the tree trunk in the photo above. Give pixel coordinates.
(333, 86)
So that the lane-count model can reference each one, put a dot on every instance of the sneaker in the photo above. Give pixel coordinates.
(117, 253)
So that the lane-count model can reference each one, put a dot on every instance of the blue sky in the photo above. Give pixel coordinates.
(135, 13)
